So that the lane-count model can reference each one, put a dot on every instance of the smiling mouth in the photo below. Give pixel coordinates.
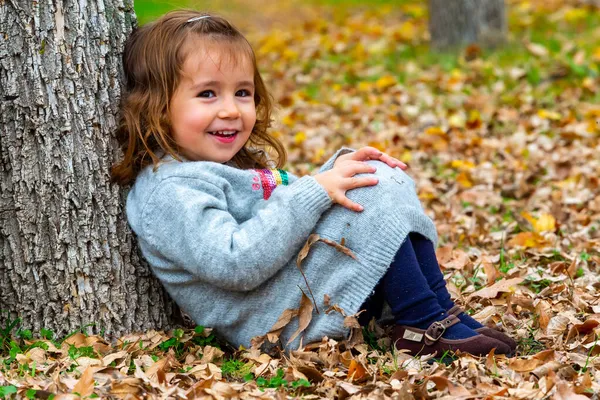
(224, 133)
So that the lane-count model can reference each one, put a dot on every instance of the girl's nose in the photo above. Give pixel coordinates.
(229, 110)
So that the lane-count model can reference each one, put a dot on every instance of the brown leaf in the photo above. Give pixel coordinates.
(85, 384)
(305, 316)
(443, 383)
(311, 373)
(586, 383)
(544, 311)
(351, 322)
(449, 258)
(557, 325)
(312, 239)
(490, 292)
(491, 272)
(582, 329)
(524, 365)
(546, 368)
(335, 308)
(124, 387)
(545, 355)
(356, 371)
(197, 390)
(339, 247)
(572, 270)
(273, 335)
(564, 392)
(490, 363)
(284, 319)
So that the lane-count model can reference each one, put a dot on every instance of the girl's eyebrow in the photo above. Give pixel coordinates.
(217, 83)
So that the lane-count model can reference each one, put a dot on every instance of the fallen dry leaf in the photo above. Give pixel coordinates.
(304, 316)
(502, 286)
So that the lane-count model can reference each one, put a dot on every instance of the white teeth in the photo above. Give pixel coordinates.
(224, 133)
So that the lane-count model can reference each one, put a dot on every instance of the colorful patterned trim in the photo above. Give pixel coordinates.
(269, 180)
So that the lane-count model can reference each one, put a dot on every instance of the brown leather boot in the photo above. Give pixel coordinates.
(489, 332)
(421, 342)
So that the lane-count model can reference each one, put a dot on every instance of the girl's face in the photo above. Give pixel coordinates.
(212, 110)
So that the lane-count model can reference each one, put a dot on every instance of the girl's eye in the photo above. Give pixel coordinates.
(206, 94)
(243, 93)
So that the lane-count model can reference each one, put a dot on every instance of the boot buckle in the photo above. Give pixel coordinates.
(435, 331)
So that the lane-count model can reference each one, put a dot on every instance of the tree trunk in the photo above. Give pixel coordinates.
(453, 23)
(67, 256)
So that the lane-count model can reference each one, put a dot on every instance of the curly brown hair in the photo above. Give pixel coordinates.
(152, 61)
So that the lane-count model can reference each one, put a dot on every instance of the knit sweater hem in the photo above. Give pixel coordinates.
(378, 259)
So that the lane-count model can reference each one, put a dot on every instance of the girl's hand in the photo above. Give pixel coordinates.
(371, 153)
(341, 178)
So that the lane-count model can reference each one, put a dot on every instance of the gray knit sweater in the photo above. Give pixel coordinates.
(223, 241)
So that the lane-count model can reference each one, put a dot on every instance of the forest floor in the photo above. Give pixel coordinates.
(504, 148)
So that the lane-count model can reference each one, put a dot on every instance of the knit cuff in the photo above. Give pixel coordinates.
(310, 195)
(329, 163)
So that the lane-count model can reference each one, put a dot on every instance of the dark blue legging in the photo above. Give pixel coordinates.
(413, 286)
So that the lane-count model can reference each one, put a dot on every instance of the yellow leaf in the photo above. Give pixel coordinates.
(299, 137)
(545, 223)
(364, 86)
(474, 120)
(596, 55)
(359, 53)
(575, 14)
(407, 31)
(288, 120)
(378, 145)
(385, 82)
(552, 115)
(289, 54)
(406, 156)
(318, 155)
(462, 164)
(416, 10)
(435, 131)
(464, 180)
(273, 43)
(528, 240)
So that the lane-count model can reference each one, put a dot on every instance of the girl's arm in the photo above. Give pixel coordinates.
(187, 222)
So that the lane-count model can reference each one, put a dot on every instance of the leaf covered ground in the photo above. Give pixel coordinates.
(504, 148)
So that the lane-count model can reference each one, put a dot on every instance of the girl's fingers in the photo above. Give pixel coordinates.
(371, 153)
(360, 167)
(366, 153)
(393, 162)
(350, 205)
(356, 182)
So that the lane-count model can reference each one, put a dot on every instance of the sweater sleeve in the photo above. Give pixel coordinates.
(329, 163)
(190, 225)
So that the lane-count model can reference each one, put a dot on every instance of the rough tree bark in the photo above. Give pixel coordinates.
(453, 23)
(67, 257)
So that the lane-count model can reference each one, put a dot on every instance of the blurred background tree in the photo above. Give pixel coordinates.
(453, 23)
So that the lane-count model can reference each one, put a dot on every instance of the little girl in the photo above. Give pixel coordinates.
(221, 225)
